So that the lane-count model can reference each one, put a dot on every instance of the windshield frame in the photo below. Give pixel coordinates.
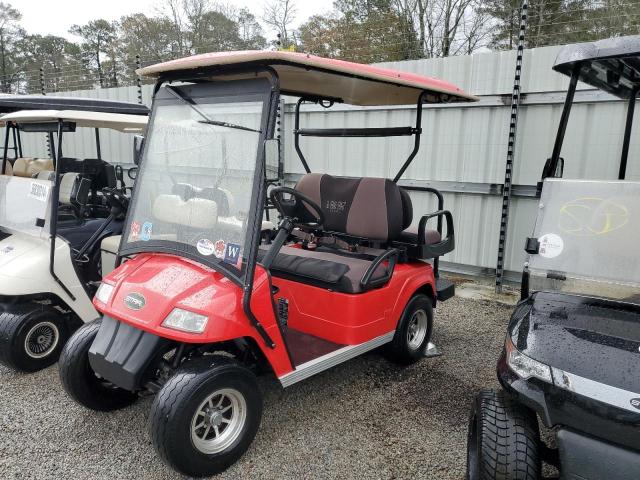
(264, 90)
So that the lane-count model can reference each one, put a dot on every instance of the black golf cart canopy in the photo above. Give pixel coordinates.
(305, 75)
(611, 65)
(14, 103)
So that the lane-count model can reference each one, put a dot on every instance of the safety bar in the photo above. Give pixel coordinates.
(357, 132)
(392, 257)
(443, 246)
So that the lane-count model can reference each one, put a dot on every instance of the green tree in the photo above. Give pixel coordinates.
(10, 34)
(55, 55)
(98, 38)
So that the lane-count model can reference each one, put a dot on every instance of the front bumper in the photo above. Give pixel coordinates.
(123, 354)
(586, 458)
(558, 407)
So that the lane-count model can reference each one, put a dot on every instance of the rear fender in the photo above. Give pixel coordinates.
(24, 271)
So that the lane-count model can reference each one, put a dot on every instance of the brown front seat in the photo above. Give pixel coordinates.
(368, 208)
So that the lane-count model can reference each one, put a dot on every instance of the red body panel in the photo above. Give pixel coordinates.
(350, 319)
(168, 281)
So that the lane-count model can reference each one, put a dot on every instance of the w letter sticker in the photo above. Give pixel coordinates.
(232, 253)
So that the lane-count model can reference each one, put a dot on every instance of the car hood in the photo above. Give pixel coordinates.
(14, 247)
(594, 338)
(148, 287)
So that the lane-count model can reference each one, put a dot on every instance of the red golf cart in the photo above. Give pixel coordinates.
(203, 302)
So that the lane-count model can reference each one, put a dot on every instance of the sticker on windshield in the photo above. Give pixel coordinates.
(134, 231)
(38, 191)
(205, 247)
(145, 233)
(5, 250)
(232, 253)
(551, 245)
(218, 249)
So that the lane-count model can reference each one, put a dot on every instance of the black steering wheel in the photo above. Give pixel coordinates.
(117, 200)
(297, 207)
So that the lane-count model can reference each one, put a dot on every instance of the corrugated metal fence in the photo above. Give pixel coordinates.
(463, 148)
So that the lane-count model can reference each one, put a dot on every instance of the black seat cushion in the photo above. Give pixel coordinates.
(323, 268)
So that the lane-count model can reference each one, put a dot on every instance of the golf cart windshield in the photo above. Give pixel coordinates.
(588, 234)
(195, 193)
(24, 205)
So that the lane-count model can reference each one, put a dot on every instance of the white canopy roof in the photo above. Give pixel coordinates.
(304, 74)
(115, 121)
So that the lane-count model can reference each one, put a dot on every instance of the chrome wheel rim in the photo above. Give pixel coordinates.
(417, 329)
(41, 340)
(219, 421)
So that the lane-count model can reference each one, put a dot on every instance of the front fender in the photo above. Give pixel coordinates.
(24, 270)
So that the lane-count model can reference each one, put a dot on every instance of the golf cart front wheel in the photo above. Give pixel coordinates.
(31, 336)
(503, 440)
(206, 416)
(413, 332)
(80, 381)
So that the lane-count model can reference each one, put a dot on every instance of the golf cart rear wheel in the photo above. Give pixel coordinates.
(31, 336)
(81, 382)
(503, 440)
(413, 332)
(206, 416)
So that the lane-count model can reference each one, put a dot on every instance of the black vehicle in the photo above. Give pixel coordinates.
(572, 351)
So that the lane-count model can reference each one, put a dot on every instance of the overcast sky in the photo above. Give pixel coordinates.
(55, 17)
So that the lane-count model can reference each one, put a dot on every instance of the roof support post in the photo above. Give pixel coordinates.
(98, 152)
(53, 220)
(627, 135)
(6, 147)
(296, 136)
(564, 119)
(416, 143)
(508, 174)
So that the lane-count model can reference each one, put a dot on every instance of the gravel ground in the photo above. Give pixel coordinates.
(367, 418)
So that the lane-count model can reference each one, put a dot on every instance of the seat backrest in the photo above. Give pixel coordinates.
(30, 167)
(364, 207)
(68, 183)
(193, 213)
(8, 169)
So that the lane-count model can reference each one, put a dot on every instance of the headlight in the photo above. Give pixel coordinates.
(524, 366)
(104, 292)
(185, 320)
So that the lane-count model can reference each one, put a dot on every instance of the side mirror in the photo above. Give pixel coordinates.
(138, 142)
(272, 158)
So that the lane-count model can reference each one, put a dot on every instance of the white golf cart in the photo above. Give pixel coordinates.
(60, 220)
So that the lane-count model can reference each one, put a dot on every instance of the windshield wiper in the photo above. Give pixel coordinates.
(206, 120)
(228, 125)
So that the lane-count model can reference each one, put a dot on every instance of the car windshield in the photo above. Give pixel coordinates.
(588, 233)
(24, 205)
(194, 193)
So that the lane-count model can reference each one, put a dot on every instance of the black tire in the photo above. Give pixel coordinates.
(175, 407)
(79, 380)
(402, 349)
(503, 442)
(31, 336)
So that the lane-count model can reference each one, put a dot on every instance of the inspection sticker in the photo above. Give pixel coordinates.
(134, 231)
(551, 245)
(218, 249)
(147, 229)
(38, 191)
(205, 247)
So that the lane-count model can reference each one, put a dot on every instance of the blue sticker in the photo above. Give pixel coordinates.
(232, 253)
(145, 234)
